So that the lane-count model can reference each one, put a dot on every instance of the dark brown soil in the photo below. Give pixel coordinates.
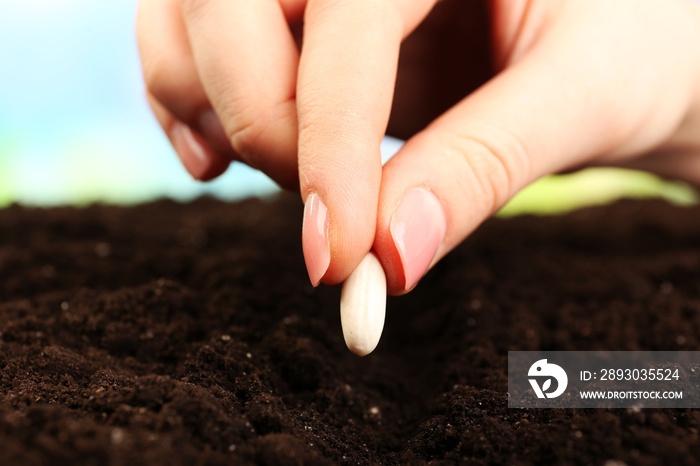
(188, 334)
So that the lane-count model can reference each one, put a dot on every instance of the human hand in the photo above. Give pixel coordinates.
(578, 82)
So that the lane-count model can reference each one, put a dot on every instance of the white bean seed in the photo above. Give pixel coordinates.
(363, 306)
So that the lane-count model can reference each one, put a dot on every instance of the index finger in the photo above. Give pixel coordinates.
(345, 86)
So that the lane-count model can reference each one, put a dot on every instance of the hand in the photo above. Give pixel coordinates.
(578, 82)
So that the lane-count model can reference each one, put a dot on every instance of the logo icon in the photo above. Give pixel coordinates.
(543, 369)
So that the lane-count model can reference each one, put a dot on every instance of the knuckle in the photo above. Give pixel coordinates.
(496, 165)
(248, 127)
(244, 137)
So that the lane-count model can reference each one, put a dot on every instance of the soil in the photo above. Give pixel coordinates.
(188, 334)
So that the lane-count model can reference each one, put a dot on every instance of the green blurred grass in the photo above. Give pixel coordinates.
(562, 193)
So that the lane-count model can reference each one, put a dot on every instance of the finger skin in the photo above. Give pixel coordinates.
(168, 67)
(247, 61)
(175, 91)
(596, 85)
(190, 146)
(345, 85)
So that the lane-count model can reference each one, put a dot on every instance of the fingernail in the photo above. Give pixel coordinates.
(211, 128)
(192, 150)
(314, 238)
(417, 228)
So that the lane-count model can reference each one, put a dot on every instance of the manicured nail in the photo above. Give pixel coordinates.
(363, 306)
(192, 149)
(314, 238)
(417, 228)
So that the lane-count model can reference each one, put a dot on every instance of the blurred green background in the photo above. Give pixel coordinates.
(75, 127)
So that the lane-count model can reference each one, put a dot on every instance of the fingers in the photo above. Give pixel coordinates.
(570, 99)
(247, 61)
(194, 151)
(346, 77)
(175, 92)
(168, 67)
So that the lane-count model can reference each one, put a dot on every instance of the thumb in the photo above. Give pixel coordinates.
(596, 84)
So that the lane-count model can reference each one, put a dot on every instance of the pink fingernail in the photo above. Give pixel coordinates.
(192, 149)
(417, 228)
(315, 241)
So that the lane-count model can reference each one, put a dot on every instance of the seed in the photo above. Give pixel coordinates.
(363, 306)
